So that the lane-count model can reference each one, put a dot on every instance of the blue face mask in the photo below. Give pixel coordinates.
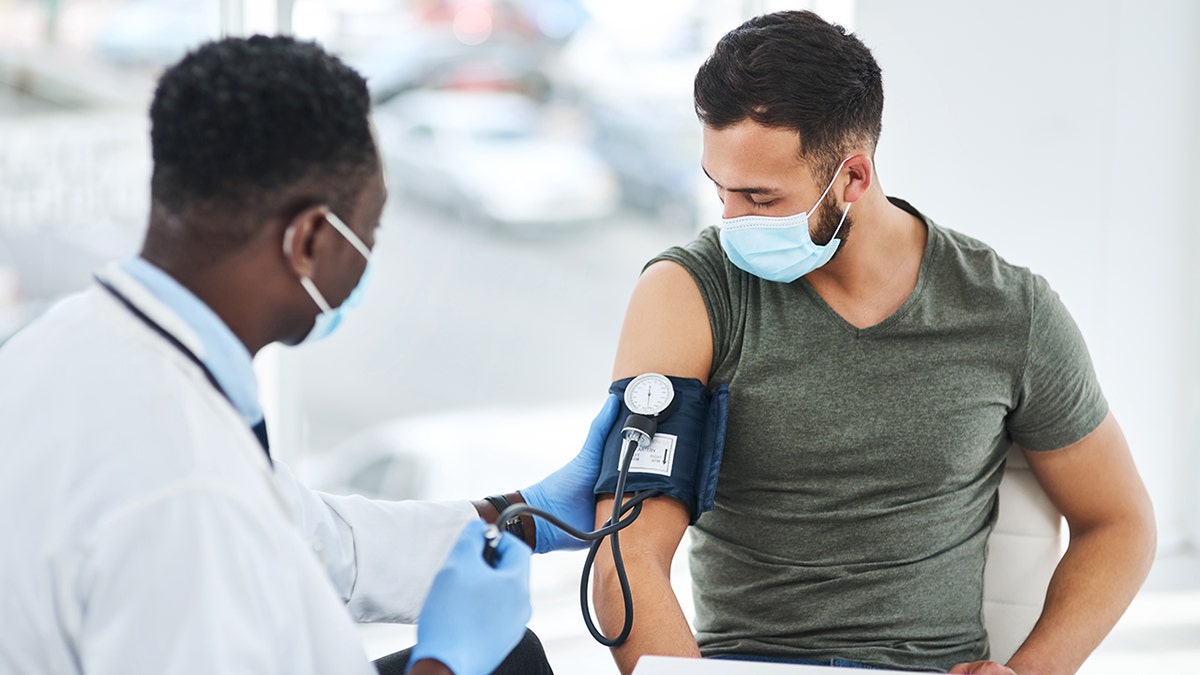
(778, 248)
(331, 317)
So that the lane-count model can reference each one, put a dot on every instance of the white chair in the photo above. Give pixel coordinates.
(1023, 550)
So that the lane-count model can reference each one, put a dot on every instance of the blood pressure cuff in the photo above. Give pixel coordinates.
(685, 455)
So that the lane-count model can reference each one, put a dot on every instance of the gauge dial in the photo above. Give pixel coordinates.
(649, 394)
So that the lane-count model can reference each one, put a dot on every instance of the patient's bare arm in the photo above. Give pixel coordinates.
(666, 331)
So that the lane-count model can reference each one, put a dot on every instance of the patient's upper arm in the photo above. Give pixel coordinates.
(666, 327)
(666, 331)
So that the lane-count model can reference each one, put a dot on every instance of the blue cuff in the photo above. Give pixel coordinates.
(685, 457)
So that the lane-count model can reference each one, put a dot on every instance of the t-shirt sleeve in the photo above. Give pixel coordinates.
(1059, 400)
(704, 259)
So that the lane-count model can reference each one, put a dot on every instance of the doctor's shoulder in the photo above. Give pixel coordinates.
(94, 389)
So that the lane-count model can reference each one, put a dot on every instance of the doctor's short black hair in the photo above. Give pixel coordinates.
(238, 121)
(794, 70)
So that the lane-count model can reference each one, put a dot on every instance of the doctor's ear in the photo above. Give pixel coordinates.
(300, 240)
(861, 170)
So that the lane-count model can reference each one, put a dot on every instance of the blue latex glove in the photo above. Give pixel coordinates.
(474, 614)
(569, 493)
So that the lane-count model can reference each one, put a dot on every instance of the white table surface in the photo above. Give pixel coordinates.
(671, 665)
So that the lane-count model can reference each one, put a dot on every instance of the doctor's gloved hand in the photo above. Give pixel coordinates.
(568, 492)
(474, 614)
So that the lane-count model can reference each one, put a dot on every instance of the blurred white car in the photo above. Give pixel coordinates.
(464, 454)
(157, 32)
(12, 310)
(489, 157)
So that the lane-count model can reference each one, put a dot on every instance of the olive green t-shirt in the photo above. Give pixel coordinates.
(858, 484)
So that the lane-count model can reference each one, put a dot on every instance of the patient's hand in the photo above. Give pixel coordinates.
(983, 668)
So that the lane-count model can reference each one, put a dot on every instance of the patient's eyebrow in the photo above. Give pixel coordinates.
(742, 190)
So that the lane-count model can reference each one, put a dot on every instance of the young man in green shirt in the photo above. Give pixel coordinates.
(880, 367)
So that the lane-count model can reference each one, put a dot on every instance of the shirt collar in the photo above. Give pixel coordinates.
(223, 353)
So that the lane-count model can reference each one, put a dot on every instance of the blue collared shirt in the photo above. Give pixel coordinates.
(224, 354)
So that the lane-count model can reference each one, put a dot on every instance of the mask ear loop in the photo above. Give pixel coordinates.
(839, 227)
(315, 294)
(307, 283)
(349, 235)
(830, 186)
(287, 240)
(822, 198)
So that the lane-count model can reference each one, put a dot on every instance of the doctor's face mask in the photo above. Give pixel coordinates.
(779, 248)
(331, 317)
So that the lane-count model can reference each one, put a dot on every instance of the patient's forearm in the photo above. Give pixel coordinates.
(659, 626)
(1092, 586)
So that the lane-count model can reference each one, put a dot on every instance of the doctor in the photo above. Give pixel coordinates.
(146, 528)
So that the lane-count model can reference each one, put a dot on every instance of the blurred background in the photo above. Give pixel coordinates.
(540, 151)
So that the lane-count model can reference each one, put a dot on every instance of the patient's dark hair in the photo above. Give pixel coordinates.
(794, 70)
(239, 120)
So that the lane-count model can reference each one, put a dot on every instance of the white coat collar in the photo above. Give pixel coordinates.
(152, 307)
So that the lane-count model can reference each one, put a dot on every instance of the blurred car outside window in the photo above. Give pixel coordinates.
(489, 157)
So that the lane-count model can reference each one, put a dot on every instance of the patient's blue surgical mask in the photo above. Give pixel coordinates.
(779, 248)
(331, 317)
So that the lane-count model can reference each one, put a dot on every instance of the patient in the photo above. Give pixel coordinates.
(880, 366)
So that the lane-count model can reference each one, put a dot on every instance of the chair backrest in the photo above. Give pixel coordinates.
(1023, 550)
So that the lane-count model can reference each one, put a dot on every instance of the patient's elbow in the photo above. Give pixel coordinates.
(1146, 534)
(643, 565)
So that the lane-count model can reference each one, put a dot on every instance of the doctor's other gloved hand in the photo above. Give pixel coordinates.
(569, 492)
(475, 614)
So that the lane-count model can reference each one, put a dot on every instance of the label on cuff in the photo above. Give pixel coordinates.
(658, 458)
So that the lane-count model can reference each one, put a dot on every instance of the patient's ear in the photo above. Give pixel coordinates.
(861, 172)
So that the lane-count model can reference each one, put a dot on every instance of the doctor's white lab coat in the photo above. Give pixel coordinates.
(142, 529)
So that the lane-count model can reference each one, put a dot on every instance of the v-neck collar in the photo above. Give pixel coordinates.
(909, 302)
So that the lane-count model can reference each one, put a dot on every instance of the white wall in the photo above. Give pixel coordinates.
(1065, 134)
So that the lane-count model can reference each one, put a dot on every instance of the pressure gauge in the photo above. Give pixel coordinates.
(649, 394)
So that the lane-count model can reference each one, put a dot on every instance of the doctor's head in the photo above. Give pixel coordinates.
(266, 173)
